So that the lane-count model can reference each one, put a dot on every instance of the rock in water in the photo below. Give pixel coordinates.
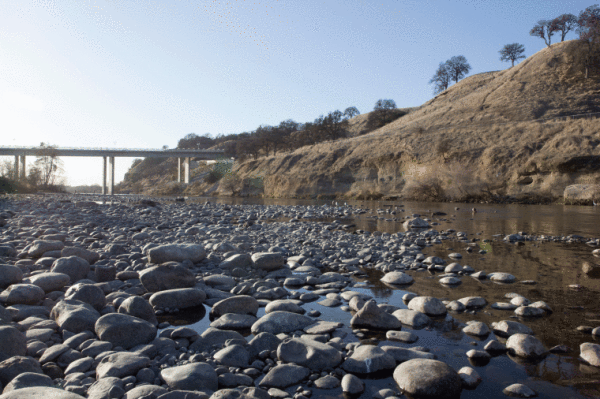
(429, 305)
(525, 345)
(281, 322)
(590, 353)
(371, 316)
(426, 378)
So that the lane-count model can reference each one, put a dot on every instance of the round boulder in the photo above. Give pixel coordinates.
(181, 298)
(50, 281)
(73, 266)
(10, 274)
(25, 294)
(124, 330)
(525, 345)
(241, 304)
(40, 393)
(87, 293)
(427, 378)
(167, 277)
(138, 307)
(429, 305)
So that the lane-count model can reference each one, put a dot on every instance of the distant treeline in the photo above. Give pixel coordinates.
(289, 135)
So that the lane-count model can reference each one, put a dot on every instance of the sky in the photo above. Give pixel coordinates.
(143, 74)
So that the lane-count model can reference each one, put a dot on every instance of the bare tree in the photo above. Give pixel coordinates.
(543, 30)
(48, 164)
(512, 52)
(441, 78)
(589, 33)
(563, 24)
(458, 67)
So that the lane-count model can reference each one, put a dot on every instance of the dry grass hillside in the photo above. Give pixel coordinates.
(490, 134)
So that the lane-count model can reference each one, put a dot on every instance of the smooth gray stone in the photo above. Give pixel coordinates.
(106, 388)
(428, 378)
(75, 267)
(13, 366)
(28, 380)
(191, 377)
(124, 330)
(281, 322)
(368, 359)
(121, 364)
(284, 375)
(525, 345)
(309, 353)
(12, 342)
(176, 253)
(40, 393)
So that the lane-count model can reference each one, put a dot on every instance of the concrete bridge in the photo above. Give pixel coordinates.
(109, 154)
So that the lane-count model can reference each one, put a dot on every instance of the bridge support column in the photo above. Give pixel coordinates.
(104, 176)
(16, 171)
(186, 164)
(178, 170)
(111, 176)
(23, 171)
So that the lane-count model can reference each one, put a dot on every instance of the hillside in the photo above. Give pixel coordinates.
(491, 134)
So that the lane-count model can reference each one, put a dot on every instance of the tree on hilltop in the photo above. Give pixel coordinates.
(458, 67)
(589, 33)
(544, 30)
(512, 52)
(351, 112)
(563, 24)
(441, 78)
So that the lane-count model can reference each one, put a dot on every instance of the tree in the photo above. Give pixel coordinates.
(563, 24)
(48, 164)
(384, 112)
(589, 33)
(458, 67)
(351, 112)
(441, 78)
(543, 30)
(512, 52)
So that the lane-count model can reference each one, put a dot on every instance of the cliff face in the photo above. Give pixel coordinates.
(495, 133)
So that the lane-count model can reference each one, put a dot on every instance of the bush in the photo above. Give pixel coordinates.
(213, 176)
(7, 186)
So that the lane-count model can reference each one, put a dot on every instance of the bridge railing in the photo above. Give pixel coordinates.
(20, 147)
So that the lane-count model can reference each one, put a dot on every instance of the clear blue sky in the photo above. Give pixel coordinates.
(137, 73)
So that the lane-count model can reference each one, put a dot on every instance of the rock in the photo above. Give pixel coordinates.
(39, 247)
(529, 311)
(455, 306)
(145, 392)
(124, 330)
(450, 281)
(181, 298)
(167, 277)
(87, 293)
(590, 353)
(13, 366)
(50, 281)
(519, 391)
(12, 342)
(106, 388)
(90, 256)
(26, 294)
(429, 305)
(285, 305)
(40, 393)
(397, 278)
(412, 318)
(262, 342)
(268, 261)
(581, 193)
(477, 354)
(401, 336)
(469, 377)
(213, 337)
(416, 223)
(477, 329)
(426, 378)
(352, 385)
(6, 251)
(284, 375)
(74, 315)
(82, 365)
(327, 382)
(28, 380)
(309, 353)
(473, 302)
(73, 266)
(494, 346)
(371, 316)
(233, 356)
(323, 327)
(368, 359)
(236, 261)
(234, 321)
(506, 328)
(9, 275)
(241, 304)
(504, 278)
(191, 377)
(525, 345)
(138, 307)
(246, 393)
(403, 354)
(281, 322)
(105, 273)
(176, 253)
(121, 364)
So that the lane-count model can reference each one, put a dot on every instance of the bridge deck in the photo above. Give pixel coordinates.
(114, 152)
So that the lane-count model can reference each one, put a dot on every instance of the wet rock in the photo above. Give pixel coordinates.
(124, 330)
(476, 354)
(26, 294)
(12, 342)
(504, 278)
(74, 315)
(167, 277)
(284, 375)
(73, 266)
(473, 302)
(426, 378)
(176, 253)
(401, 336)
(455, 306)
(412, 318)
(138, 307)
(309, 353)
(519, 391)
(429, 305)
(504, 306)
(368, 359)
(506, 328)
(416, 223)
(529, 311)
(121, 364)
(476, 328)
(525, 345)
(323, 327)
(494, 346)
(181, 298)
(28, 380)
(469, 377)
(404, 354)
(87, 293)
(281, 322)
(371, 316)
(397, 278)
(241, 304)
(40, 393)
(450, 281)
(352, 385)
(191, 377)
(590, 353)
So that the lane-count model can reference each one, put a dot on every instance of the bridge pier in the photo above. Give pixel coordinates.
(23, 171)
(16, 171)
(104, 176)
(186, 169)
(178, 170)
(111, 175)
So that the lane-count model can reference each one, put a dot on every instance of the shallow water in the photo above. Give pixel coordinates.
(552, 265)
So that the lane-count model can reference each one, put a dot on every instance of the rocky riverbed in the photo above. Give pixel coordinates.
(283, 296)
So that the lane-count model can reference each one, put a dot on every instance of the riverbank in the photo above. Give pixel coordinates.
(282, 298)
